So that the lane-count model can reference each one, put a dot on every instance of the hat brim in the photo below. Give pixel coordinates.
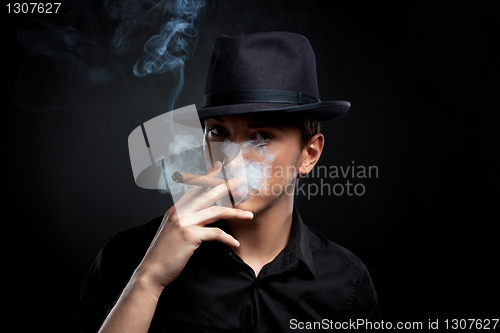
(322, 111)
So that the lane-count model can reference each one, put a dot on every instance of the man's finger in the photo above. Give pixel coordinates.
(194, 191)
(217, 234)
(213, 214)
(208, 198)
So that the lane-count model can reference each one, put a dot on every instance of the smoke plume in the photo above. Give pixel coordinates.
(255, 166)
(173, 45)
(91, 47)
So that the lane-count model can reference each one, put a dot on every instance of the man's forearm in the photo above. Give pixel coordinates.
(169, 252)
(134, 309)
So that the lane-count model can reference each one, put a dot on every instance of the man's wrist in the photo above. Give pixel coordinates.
(135, 307)
(142, 282)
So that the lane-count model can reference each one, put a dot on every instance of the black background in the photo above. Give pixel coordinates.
(422, 78)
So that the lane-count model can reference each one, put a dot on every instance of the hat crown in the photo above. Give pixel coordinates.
(263, 61)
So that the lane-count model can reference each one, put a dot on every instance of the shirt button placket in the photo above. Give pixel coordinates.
(256, 302)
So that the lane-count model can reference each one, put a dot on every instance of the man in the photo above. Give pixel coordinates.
(253, 267)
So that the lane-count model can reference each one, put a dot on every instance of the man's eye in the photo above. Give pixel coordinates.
(216, 130)
(262, 136)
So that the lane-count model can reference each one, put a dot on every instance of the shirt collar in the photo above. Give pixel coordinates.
(298, 247)
(297, 250)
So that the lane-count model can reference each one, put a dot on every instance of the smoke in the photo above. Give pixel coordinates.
(72, 44)
(91, 47)
(249, 159)
(256, 165)
(173, 45)
(184, 153)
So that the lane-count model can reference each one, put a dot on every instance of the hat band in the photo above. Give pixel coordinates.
(259, 96)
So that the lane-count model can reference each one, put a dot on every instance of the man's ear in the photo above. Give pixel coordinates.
(311, 153)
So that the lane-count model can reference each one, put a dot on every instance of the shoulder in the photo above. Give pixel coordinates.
(333, 256)
(139, 233)
(133, 239)
(111, 271)
(321, 245)
(125, 250)
(349, 272)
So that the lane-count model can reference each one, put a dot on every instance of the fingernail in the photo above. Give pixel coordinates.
(249, 213)
(237, 243)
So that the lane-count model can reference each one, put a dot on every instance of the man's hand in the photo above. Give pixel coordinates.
(179, 235)
(183, 230)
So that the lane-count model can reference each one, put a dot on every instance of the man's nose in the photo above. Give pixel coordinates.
(237, 137)
(232, 151)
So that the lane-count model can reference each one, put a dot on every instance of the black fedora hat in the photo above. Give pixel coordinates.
(265, 72)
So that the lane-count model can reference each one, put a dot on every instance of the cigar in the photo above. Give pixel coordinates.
(198, 180)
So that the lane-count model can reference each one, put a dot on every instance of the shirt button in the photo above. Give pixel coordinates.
(256, 284)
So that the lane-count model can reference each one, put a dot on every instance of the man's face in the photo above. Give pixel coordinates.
(273, 147)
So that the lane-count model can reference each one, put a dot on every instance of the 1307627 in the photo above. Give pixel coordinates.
(468, 324)
(33, 7)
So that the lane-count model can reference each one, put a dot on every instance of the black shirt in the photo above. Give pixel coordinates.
(311, 280)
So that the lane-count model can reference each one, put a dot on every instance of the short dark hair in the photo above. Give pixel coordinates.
(309, 127)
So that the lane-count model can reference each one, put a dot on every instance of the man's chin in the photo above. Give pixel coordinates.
(256, 203)
(250, 202)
